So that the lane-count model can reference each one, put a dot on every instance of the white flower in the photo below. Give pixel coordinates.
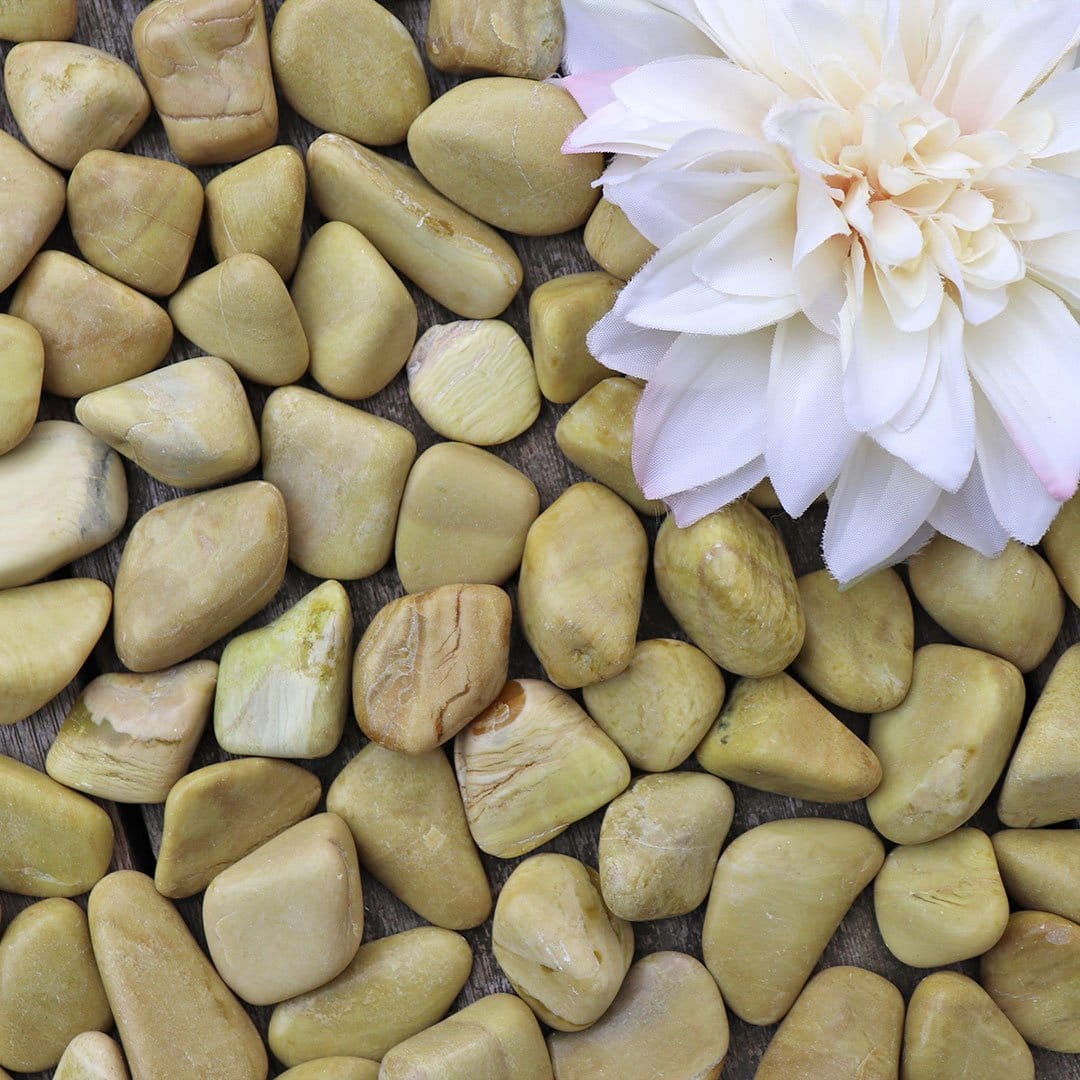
(868, 216)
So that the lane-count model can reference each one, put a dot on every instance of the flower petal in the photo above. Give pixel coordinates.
(1048, 122)
(968, 517)
(690, 506)
(1055, 262)
(629, 349)
(592, 89)
(1039, 203)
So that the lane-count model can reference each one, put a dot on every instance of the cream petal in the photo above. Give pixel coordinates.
(912, 294)
(632, 350)
(1048, 122)
(592, 89)
(968, 518)
(819, 284)
(1049, 202)
(690, 506)
(819, 218)
(1055, 263)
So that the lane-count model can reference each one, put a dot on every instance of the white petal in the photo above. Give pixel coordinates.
(819, 284)
(913, 294)
(592, 89)
(895, 237)
(995, 260)
(632, 350)
(690, 506)
(1056, 263)
(1048, 122)
(968, 517)
(819, 218)
(1040, 203)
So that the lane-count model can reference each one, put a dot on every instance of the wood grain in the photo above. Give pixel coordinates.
(106, 24)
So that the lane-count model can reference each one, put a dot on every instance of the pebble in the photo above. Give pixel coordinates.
(284, 688)
(342, 472)
(46, 633)
(496, 1038)
(941, 902)
(1040, 785)
(92, 1056)
(135, 218)
(241, 311)
(169, 1003)
(257, 207)
(32, 196)
(659, 843)
(520, 38)
(1033, 975)
(847, 1023)
(97, 331)
(457, 260)
(728, 581)
(1041, 869)
(659, 708)
(406, 816)
(22, 363)
(860, 641)
(564, 953)
(464, 517)
(131, 737)
(531, 765)
(334, 1068)
(774, 736)
(668, 1020)
(944, 747)
(69, 99)
(562, 311)
(614, 243)
(52, 990)
(394, 988)
(595, 435)
(218, 814)
(237, 537)
(581, 586)
(288, 917)
(429, 663)
(38, 20)
(373, 56)
(780, 891)
(64, 495)
(359, 318)
(1061, 546)
(1010, 605)
(188, 424)
(954, 1029)
(207, 66)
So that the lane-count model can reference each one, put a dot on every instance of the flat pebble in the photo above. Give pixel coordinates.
(22, 364)
(1061, 546)
(334, 1068)
(614, 243)
(1041, 869)
(32, 196)
(92, 1056)
(38, 20)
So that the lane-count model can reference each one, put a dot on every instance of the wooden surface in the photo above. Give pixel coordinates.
(106, 24)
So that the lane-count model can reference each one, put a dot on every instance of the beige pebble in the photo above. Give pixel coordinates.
(373, 56)
(943, 749)
(728, 581)
(53, 842)
(288, 917)
(941, 902)
(92, 1056)
(595, 434)
(562, 311)
(187, 424)
(46, 633)
(32, 197)
(217, 815)
(1010, 605)
(774, 736)
(954, 1029)
(69, 99)
(564, 953)
(64, 495)
(614, 243)
(207, 66)
(258, 207)
(464, 517)
(467, 146)
(496, 1038)
(359, 318)
(460, 262)
(847, 1023)
(520, 38)
(659, 843)
(394, 988)
(52, 990)
(763, 496)
(22, 363)
(237, 537)
(1040, 785)
(452, 372)
(169, 1003)
(241, 311)
(1041, 869)
(531, 765)
(860, 641)
(342, 472)
(660, 707)
(334, 1068)
(38, 20)
(135, 218)
(131, 737)
(1061, 546)
(667, 1020)
(406, 816)
(581, 586)
(779, 893)
(1033, 975)
(97, 331)
(284, 688)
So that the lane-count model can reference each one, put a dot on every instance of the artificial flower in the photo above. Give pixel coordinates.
(868, 221)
